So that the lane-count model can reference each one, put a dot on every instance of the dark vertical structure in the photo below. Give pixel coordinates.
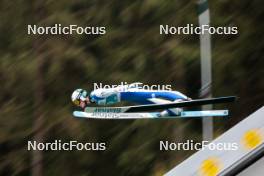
(38, 131)
(37, 156)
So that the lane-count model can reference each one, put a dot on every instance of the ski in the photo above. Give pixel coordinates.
(114, 115)
(191, 103)
(154, 107)
(145, 115)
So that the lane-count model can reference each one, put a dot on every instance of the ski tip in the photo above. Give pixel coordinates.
(77, 114)
(74, 113)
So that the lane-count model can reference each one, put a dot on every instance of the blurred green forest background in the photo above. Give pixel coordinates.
(39, 73)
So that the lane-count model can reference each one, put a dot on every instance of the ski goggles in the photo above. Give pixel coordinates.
(76, 102)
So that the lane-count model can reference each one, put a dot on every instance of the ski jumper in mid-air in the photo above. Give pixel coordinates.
(129, 93)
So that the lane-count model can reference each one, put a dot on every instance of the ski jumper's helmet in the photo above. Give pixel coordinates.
(79, 95)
